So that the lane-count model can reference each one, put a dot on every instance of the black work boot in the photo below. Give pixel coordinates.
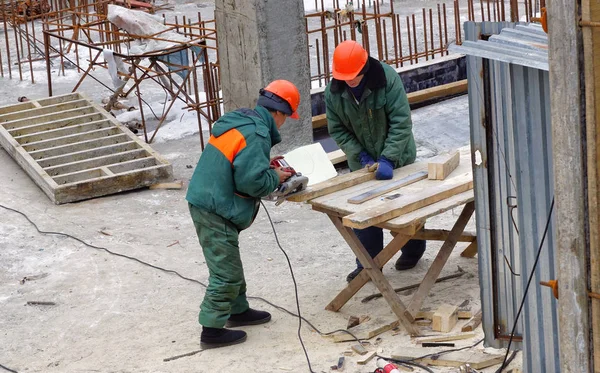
(411, 254)
(220, 337)
(353, 274)
(249, 317)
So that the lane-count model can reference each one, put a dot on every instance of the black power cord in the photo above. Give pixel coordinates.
(295, 287)
(196, 281)
(8, 369)
(537, 258)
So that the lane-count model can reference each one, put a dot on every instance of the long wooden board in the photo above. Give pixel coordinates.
(74, 150)
(333, 185)
(410, 179)
(476, 359)
(408, 203)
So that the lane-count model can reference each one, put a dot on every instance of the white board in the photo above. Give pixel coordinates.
(312, 162)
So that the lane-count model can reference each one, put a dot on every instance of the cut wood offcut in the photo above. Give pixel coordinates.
(408, 203)
(74, 150)
(441, 166)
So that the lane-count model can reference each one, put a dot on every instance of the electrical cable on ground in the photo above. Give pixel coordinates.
(8, 369)
(300, 318)
(537, 258)
(295, 286)
(187, 278)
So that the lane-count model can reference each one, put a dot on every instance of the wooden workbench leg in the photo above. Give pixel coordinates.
(440, 260)
(471, 250)
(377, 277)
(362, 278)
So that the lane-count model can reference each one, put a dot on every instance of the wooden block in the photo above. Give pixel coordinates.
(368, 329)
(319, 121)
(476, 359)
(359, 349)
(445, 318)
(441, 166)
(367, 358)
(470, 251)
(336, 156)
(173, 185)
(408, 203)
(446, 337)
(396, 184)
(333, 185)
(426, 314)
(473, 323)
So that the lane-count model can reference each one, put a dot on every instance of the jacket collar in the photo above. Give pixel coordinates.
(375, 77)
(268, 119)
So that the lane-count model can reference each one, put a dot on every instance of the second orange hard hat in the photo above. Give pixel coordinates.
(349, 58)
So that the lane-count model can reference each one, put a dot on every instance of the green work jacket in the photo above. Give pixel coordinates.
(380, 123)
(233, 172)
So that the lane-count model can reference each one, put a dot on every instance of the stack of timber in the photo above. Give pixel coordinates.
(74, 150)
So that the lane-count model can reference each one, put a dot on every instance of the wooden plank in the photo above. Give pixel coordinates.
(333, 185)
(438, 92)
(441, 166)
(59, 99)
(442, 235)
(86, 154)
(470, 251)
(440, 260)
(371, 268)
(319, 121)
(79, 146)
(409, 203)
(367, 358)
(92, 134)
(36, 112)
(431, 210)
(446, 337)
(89, 163)
(428, 314)
(72, 113)
(43, 139)
(17, 107)
(366, 196)
(174, 185)
(336, 156)
(473, 323)
(476, 359)
(444, 318)
(368, 330)
(39, 129)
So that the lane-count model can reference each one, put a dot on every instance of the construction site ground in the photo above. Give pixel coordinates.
(113, 314)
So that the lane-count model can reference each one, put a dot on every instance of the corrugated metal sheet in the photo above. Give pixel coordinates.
(509, 100)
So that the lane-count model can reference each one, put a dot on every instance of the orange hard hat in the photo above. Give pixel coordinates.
(349, 58)
(285, 91)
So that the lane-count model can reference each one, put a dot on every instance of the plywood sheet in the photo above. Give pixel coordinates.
(74, 150)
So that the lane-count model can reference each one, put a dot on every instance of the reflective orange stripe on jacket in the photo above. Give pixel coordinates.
(229, 144)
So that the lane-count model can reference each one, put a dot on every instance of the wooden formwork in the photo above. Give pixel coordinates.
(74, 150)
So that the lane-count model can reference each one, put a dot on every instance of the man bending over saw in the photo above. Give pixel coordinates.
(368, 116)
(232, 175)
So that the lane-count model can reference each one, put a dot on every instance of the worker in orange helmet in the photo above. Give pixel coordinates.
(233, 173)
(368, 116)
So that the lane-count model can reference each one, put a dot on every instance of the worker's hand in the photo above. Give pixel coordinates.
(283, 175)
(385, 171)
(365, 159)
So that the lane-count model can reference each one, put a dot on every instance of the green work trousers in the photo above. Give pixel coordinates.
(226, 291)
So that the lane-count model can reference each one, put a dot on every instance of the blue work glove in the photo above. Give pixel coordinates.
(365, 159)
(385, 171)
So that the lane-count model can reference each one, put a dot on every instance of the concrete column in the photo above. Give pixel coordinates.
(260, 41)
(568, 130)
